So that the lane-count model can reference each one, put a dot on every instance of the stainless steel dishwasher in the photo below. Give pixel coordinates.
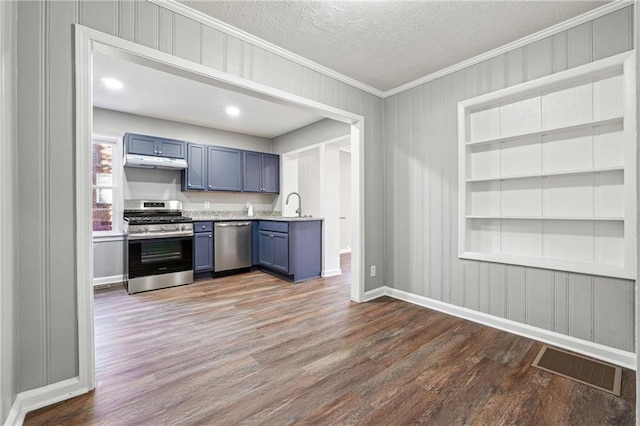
(232, 245)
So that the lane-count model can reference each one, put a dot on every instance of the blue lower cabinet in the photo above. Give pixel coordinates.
(202, 247)
(274, 250)
(291, 249)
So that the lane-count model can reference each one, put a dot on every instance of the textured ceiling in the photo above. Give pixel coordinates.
(385, 44)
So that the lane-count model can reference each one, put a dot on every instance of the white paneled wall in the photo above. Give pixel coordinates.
(421, 190)
(47, 349)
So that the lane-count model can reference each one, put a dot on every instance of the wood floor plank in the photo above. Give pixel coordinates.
(253, 349)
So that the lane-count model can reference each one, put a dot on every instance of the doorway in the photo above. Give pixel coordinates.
(321, 174)
(89, 41)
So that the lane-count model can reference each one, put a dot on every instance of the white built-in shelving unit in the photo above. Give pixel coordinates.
(547, 171)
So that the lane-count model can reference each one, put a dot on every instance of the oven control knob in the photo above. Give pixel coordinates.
(145, 229)
(183, 227)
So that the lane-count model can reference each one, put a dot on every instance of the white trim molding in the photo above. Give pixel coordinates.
(375, 293)
(202, 18)
(8, 215)
(594, 350)
(105, 281)
(331, 273)
(88, 41)
(563, 26)
(42, 397)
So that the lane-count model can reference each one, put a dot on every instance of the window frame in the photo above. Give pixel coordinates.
(118, 187)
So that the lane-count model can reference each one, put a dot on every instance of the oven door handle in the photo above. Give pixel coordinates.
(159, 236)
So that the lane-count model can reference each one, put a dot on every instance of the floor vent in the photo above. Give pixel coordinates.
(576, 367)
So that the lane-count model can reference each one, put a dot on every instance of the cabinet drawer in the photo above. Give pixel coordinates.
(202, 227)
(268, 225)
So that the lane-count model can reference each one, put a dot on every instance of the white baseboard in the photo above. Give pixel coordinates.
(42, 397)
(374, 294)
(113, 279)
(331, 272)
(594, 350)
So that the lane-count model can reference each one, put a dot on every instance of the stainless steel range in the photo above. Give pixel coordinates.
(159, 247)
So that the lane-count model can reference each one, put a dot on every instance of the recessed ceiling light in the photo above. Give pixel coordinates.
(112, 83)
(233, 111)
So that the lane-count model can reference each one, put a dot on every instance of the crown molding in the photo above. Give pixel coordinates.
(563, 26)
(190, 13)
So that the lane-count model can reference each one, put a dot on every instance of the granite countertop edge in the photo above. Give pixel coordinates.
(216, 218)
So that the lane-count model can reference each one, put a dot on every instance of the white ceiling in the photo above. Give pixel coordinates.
(157, 94)
(385, 44)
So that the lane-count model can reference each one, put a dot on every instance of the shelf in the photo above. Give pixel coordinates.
(613, 218)
(532, 175)
(546, 131)
(607, 270)
(546, 176)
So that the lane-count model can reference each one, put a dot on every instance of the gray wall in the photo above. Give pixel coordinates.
(47, 320)
(318, 132)
(8, 203)
(637, 298)
(421, 189)
(345, 200)
(108, 260)
(118, 123)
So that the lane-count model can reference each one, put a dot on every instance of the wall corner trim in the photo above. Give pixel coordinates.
(41, 397)
(594, 350)
(202, 18)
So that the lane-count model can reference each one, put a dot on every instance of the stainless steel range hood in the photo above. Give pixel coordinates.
(149, 162)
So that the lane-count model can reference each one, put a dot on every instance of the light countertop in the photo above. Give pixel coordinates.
(216, 216)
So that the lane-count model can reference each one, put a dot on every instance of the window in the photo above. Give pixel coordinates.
(107, 185)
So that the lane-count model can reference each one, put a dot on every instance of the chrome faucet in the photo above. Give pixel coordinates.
(299, 210)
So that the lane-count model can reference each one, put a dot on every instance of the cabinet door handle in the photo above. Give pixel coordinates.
(189, 185)
(271, 235)
(210, 236)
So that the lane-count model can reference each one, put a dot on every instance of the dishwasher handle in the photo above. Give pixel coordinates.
(226, 224)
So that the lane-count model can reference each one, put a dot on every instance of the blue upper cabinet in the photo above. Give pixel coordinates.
(261, 172)
(224, 169)
(271, 173)
(171, 148)
(195, 176)
(140, 144)
(153, 146)
(252, 171)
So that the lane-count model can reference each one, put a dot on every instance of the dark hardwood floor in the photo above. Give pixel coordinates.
(252, 349)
